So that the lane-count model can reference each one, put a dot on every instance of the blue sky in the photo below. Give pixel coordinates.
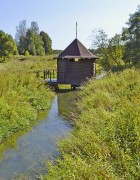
(58, 17)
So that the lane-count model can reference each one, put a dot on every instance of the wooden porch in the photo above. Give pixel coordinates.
(49, 76)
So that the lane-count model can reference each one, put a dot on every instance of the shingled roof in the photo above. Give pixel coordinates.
(76, 50)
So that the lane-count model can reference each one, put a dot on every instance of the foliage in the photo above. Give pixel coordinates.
(34, 27)
(27, 53)
(47, 42)
(21, 36)
(122, 50)
(56, 51)
(22, 45)
(105, 141)
(131, 37)
(21, 30)
(110, 50)
(34, 43)
(21, 96)
(32, 40)
(7, 46)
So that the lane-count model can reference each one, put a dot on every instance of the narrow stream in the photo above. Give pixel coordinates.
(36, 145)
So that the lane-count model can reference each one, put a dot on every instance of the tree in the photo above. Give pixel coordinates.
(31, 40)
(115, 50)
(21, 30)
(7, 46)
(47, 42)
(34, 43)
(110, 50)
(22, 45)
(34, 27)
(131, 37)
(20, 36)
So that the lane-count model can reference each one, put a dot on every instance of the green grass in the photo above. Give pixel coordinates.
(22, 95)
(30, 63)
(105, 143)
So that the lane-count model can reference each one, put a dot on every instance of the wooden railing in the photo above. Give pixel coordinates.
(47, 74)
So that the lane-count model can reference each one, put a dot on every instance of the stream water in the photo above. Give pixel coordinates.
(30, 149)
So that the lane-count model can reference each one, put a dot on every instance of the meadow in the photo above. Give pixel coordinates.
(22, 94)
(105, 141)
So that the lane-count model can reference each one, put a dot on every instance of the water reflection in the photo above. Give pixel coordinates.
(66, 104)
(11, 142)
(27, 149)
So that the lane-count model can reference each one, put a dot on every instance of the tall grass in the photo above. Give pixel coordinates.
(105, 143)
(30, 63)
(22, 95)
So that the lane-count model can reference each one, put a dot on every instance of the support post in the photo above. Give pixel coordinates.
(53, 73)
(44, 75)
(50, 77)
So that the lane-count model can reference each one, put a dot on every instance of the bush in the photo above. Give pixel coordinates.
(21, 96)
(27, 53)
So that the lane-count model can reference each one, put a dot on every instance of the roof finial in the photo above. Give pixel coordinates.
(76, 29)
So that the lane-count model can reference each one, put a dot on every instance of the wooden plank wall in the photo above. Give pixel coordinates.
(75, 72)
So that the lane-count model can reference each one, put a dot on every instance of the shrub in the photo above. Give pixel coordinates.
(21, 96)
(27, 53)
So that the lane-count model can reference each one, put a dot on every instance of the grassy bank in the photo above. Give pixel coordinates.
(105, 142)
(22, 95)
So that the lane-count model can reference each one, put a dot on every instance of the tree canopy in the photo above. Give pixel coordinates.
(131, 37)
(122, 50)
(7, 46)
(34, 43)
(32, 40)
(110, 50)
(47, 42)
(21, 30)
